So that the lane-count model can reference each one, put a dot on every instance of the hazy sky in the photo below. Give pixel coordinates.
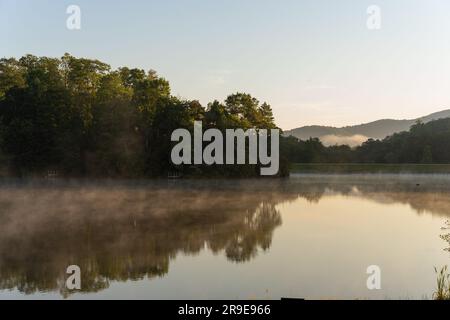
(314, 61)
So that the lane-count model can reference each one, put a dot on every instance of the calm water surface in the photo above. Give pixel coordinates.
(307, 236)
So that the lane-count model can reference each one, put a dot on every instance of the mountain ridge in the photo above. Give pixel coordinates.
(378, 129)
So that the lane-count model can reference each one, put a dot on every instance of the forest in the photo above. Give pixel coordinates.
(80, 118)
(424, 143)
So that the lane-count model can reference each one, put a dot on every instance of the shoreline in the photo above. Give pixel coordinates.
(368, 168)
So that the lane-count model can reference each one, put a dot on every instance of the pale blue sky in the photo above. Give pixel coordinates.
(314, 61)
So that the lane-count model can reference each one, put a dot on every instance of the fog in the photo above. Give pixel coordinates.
(352, 141)
(125, 230)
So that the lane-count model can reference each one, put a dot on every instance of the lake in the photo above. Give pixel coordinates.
(309, 236)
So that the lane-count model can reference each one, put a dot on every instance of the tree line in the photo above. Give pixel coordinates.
(424, 143)
(80, 117)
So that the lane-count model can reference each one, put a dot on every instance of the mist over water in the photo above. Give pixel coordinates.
(309, 236)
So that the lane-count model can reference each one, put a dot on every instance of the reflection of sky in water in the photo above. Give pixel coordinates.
(307, 237)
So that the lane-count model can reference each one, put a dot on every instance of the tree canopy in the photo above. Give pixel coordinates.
(80, 117)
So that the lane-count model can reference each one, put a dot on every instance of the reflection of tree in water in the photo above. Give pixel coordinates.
(424, 194)
(127, 233)
(258, 230)
(130, 232)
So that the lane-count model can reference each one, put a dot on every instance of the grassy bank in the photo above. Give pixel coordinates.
(345, 168)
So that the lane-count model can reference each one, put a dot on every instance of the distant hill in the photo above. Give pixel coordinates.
(355, 135)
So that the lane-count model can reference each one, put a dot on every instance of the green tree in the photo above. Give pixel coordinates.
(427, 156)
(80, 117)
(12, 74)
